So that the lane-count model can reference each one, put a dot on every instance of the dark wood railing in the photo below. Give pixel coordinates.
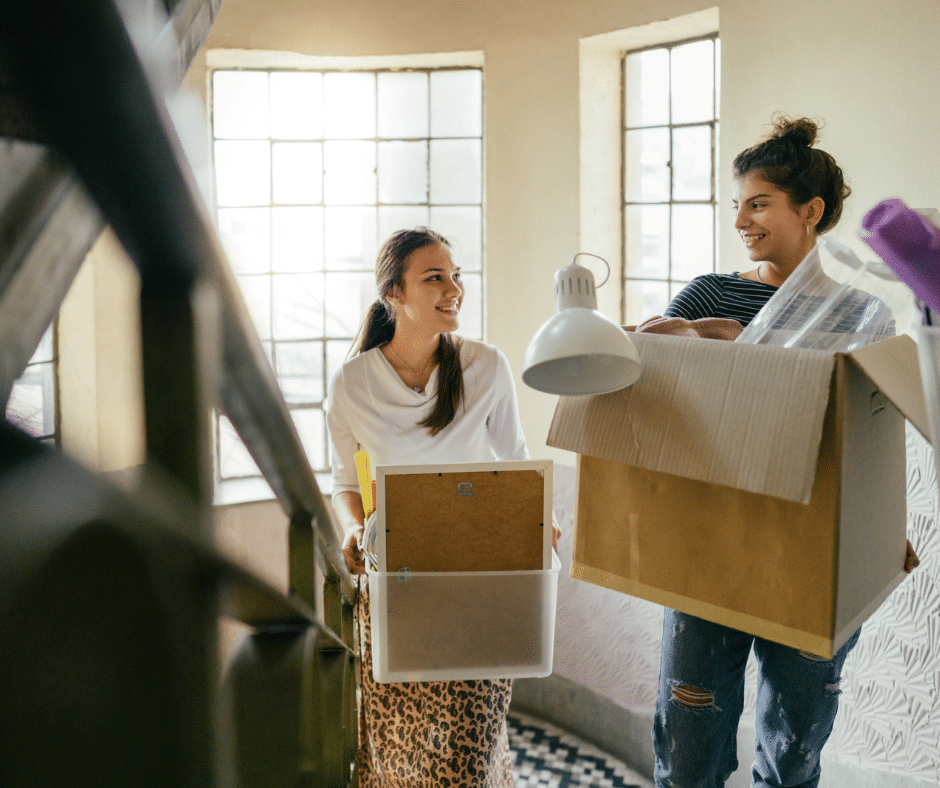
(78, 88)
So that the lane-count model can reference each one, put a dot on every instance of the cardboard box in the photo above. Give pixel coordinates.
(759, 487)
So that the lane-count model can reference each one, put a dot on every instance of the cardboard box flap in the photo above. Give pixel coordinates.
(893, 366)
(743, 416)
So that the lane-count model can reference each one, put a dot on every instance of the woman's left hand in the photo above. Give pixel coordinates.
(705, 328)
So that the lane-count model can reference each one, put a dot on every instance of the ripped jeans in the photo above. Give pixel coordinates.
(701, 696)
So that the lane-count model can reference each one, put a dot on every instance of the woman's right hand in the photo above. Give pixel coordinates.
(355, 560)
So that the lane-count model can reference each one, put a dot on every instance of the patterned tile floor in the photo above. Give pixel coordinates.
(547, 757)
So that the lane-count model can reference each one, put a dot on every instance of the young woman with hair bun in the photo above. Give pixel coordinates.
(786, 192)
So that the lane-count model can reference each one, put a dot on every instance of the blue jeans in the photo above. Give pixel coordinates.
(701, 696)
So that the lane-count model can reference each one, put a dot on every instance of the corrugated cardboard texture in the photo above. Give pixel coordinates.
(431, 527)
(743, 416)
(681, 542)
(893, 365)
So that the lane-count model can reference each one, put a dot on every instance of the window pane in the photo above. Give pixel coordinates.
(717, 77)
(240, 104)
(337, 351)
(463, 227)
(257, 293)
(471, 325)
(715, 149)
(693, 85)
(403, 105)
(44, 351)
(692, 163)
(400, 217)
(296, 105)
(234, 459)
(645, 300)
(299, 299)
(349, 105)
(243, 173)
(647, 165)
(647, 87)
(311, 428)
(349, 295)
(300, 371)
(298, 172)
(31, 406)
(351, 238)
(403, 172)
(349, 173)
(456, 171)
(297, 243)
(457, 103)
(647, 240)
(692, 241)
(246, 238)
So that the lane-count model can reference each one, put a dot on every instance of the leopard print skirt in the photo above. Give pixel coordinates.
(429, 734)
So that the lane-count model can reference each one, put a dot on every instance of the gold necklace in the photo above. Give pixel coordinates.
(416, 375)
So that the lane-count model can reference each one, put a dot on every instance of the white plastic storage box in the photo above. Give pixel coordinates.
(449, 626)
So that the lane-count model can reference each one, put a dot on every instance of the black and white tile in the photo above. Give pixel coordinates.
(547, 757)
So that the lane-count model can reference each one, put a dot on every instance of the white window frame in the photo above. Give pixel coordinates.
(673, 283)
(270, 62)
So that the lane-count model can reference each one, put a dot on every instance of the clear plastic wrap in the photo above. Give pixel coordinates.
(833, 301)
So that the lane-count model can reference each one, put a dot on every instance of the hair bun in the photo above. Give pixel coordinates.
(798, 131)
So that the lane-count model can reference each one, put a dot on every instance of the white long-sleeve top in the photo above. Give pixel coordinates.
(371, 408)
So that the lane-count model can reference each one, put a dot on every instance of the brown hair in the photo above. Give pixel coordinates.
(787, 159)
(378, 326)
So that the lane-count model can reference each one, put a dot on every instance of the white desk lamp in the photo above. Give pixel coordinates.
(579, 350)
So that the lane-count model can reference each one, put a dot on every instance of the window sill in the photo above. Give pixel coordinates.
(232, 492)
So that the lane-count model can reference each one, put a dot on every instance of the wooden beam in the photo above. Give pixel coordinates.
(42, 254)
(96, 105)
(185, 30)
(47, 222)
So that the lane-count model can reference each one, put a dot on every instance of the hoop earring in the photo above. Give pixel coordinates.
(807, 231)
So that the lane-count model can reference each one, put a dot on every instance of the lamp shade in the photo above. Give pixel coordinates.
(579, 350)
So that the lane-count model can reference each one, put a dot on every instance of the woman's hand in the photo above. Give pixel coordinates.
(355, 561)
(911, 561)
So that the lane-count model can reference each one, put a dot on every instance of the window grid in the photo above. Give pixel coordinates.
(647, 289)
(344, 274)
(34, 401)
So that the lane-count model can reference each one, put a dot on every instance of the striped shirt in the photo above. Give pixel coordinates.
(720, 295)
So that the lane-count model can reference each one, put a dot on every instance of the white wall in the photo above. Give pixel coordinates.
(869, 68)
(100, 372)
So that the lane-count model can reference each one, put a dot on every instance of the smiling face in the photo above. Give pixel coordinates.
(772, 228)
(432, 294)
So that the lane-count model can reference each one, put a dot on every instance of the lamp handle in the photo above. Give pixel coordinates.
(590, 254)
